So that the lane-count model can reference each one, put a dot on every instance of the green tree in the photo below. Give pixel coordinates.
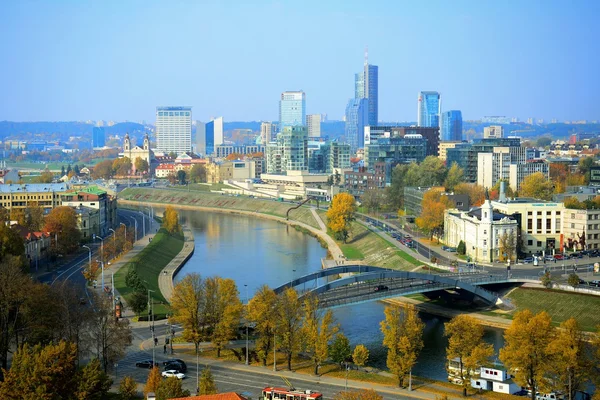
(455, 176)
(170, 388)
(11, 243)
(585, 165)
(573, 280)
(170, 220)
(461, 248)
(207, 383)
(403, 336)
(93, 382)
(61, 223)
(374, 199)
(141, 165)
(432, 172)
(360, 356)
(340, 350)
(319, 328)
(340, 215)
(537, 186)
(198, 173)
(465, 343)
(181, 177)
(152, 382)
(261, 309)
(224, 310)
(525, 352)
(543, 141)
(138, 301)
(395, 192)
(289, 323)
(128, 388)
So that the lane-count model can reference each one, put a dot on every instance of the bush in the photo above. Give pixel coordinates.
(461, 248)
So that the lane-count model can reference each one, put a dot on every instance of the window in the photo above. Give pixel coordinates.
(484, 242)
(548, 224)
(539, 224)
(529, 213)
(529, 225)
(557, 213)
(485, 232)
(530, 242)
(572, 216)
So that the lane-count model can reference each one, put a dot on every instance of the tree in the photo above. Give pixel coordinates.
(62, 171)
(261, 309)
(289, 320)
(433, 206)
(461, 248)
(585, 165)
(341, 214)
(319, 329)
(198, 173)
(525, 352)
(153, 381)
(34, 217)
(340, 350)
(455, 176)
(546, 280)
(360, 356)
(432, 172)
(224, 310)
(141, 165)
(570, 368)
(403, 336)
(465, 343)
(475, 192)
(93, 382)
(170, 388)
(207, 383)
(128, 388)
(181, 177)
(45, 177)
(41, 372)
(188, 304)
(573, 280)
(363, 394)
(543, 141)
(102, 170)
(121, 166)
(395, 192)
(507, 245)
(374, 199)
(11, 243)
(138, 301)
(61, 222)
(536, 186)
(170, 220)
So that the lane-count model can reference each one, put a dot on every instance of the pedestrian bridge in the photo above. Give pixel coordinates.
(354, 284)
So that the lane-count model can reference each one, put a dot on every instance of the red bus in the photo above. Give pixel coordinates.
(276, 393)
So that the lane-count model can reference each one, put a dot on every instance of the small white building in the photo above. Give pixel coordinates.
(496, 380)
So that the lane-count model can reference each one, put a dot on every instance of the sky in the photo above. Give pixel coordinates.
(118, 60)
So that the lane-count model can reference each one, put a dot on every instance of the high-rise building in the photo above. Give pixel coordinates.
(213, 136)
(493, 132)
(451, 126)
(292, 109)
(313, 125)
(289, 152)
(429, 109)
(174, 129)
(357, 116)
(267, 132)
(98, 137)
(366, 86)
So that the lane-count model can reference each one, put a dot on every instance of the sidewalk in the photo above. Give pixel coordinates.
(165, 279)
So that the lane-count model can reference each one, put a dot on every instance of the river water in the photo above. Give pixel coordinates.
(254, 251)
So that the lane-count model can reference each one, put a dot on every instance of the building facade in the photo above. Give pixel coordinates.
(396, 150)
(174, 129)
(313, 125)
(267, 133)
(356, 182)
(493, 132)
(443, 149)
(289, 152)
(92, 197)
(45, 195)
(292, 109)
(578, 224)
(133, 153)
(429, 109)
(223, 150)
(98, 137)
(237, 170)
(357, 117)
(451, 130)
(213, 136)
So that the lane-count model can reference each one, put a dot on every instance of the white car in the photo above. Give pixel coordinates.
(173, 374)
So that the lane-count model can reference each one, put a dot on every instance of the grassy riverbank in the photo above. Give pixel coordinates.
(149, 264)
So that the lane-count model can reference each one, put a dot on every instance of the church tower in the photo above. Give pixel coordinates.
(146, 142)
(127, 145)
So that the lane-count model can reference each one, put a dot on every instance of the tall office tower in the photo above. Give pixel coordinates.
(292, 109)
(366, 85)
(267, 133)
(213, 136)
(357, 117)
(429, 109)
(451, 126)
(174, 129)
(313, 125)
(492, 132)
(98, 137)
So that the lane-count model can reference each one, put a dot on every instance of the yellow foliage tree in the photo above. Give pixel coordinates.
(223, 310)
(341, 214)
(289, 323)
(319, 329)
(360, 355)
(128, 388)
(170, 220)
(363, 394)
(433, 206)
(537, 186)
(261, 309)
(187, 303)
(153, 381)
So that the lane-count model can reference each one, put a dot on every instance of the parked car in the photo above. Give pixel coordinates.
(173, 374)
(145, 364)
(381, 288)
(528, 260)
(576, 255)
(549, 258)
(449, 249)
(558, 257)
(594, 283)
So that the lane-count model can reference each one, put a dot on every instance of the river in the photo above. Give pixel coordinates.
(254, 251)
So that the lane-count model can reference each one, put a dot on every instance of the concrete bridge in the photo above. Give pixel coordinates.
(354, 284)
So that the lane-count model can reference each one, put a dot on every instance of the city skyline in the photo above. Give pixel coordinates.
(66, 67)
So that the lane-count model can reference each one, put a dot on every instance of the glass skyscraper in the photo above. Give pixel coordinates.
(451, 126)
(174, 129)
(292, 109)
(429, 109)
(366, 86)
(357, 117)
(98, 137)
(213, 136)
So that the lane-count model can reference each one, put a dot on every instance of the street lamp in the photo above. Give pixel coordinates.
(102, 264)
(143, 224)
(246, 286)
(89, 256)
(101, 246)
(114, 235)
(151, 315)
(125, 226)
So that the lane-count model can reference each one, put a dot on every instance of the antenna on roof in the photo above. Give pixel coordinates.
(367, 55)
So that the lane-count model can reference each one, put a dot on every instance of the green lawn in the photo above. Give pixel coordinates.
(560, 305)
(150, 262)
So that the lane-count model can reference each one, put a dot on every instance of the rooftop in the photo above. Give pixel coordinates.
(33, 187)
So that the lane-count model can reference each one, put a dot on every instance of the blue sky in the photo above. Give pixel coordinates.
(118, 60)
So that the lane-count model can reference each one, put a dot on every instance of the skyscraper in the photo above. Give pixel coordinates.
(451, 126)
(429, 109)
(366, 86)
(313, 125)
(213, 136)
(292, 109)
(98, 137)
(289, 152)
(357, 116)
(174, 129)
(267, 131)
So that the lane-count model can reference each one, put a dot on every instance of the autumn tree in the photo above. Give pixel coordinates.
(289, 323)
(547, 280)
(198, 173)
(465, 343)
(340, 215)
(573, 280)
(318, 328)
(44, 177)
(525, 353)
(11, 243)
(261, 309)
(507, 244)
(141, 165)
(93, 383)
(403, 336)
(170, 220)
(537, 186)
(340, 350)
(152, 381)
(61, 223)
(360, 356)
(508, 190)
(103, 170)
(121, 166)
(433, 206)
(34, 216)
(170, 388)
(223, 310)
(128, 388)
(455, 176)
(363, 394)
(475, 192)
(188, 304)
(207, 383)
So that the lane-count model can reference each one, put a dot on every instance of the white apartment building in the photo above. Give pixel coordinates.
(581, 223)
(174, 129)
(313, 125)
(267, 131)
(509, 164)
(492, 132)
